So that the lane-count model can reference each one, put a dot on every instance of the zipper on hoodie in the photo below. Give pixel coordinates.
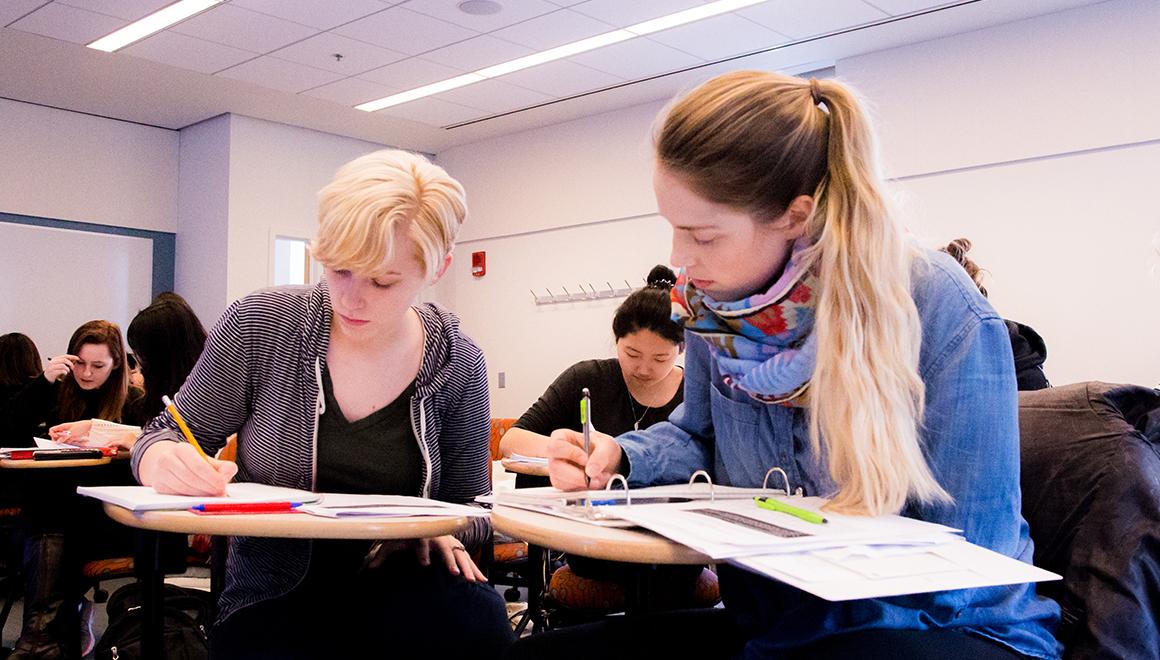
(421, 437)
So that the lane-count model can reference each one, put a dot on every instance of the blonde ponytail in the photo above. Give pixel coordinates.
(866, 384)
(757, 140)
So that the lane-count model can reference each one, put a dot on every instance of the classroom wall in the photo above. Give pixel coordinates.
(244, 182)
(1043, 149)
(1039, 148)
(70, 166)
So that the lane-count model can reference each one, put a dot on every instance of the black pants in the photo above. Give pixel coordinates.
(376, 614)
(712, 635)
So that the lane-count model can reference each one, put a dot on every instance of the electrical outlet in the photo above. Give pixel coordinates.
(502, 380)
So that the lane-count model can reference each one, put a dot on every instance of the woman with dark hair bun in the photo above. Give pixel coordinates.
(641, 386)
(634, 390)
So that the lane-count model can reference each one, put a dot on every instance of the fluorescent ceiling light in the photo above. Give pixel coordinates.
(690, 15)
(559, 52)
(420, 92)
(155, 22)
(567, 50)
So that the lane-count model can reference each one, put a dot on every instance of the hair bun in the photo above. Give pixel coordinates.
(661, 277)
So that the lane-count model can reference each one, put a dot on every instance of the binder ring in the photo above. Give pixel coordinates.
(765, 481)
(623, 481)
(708, 480)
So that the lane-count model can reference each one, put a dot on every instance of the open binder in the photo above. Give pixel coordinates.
(844, 558)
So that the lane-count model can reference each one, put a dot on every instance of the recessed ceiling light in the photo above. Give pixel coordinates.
(155, 22)
(480, 7)
(666, 22)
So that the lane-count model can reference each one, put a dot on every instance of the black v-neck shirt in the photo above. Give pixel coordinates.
(376, 454)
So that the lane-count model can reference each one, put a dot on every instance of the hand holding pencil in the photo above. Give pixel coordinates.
(183, 468)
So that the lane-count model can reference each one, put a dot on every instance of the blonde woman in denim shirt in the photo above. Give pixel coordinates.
(822, 341)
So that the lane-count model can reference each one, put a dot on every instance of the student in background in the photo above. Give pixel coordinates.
(634, 390)
(820, 340)
(641, 386)
(1029, 348)
(89, 381)
(167, 338)
(19, 364)
(348, 386)
(61, 529)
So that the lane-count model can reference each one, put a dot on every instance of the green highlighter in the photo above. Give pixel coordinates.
(781, 507)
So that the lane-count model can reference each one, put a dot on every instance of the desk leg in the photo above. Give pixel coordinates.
(534, 581)
(151, 581)
(639, 596)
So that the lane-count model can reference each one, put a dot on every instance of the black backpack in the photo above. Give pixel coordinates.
(187, 613)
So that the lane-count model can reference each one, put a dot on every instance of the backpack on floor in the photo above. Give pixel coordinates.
(186, 620)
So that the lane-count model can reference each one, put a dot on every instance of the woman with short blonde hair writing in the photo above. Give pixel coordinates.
(348, 386)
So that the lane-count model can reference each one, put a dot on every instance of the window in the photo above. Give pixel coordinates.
(292, 262)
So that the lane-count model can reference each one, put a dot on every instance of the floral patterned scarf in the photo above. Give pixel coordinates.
(763, 344)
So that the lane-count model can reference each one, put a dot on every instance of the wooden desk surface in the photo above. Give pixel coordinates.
(628, 545)
(288, 525)
(519, 467)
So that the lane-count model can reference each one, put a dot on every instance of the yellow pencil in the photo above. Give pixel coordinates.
(169, 405)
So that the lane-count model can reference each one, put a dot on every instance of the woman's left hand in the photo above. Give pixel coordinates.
(71, 433)
(447, 549)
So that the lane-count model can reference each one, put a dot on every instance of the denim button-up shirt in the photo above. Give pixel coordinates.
(971, 439)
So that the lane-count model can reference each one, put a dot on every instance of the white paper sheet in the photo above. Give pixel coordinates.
(346, 505)
(841, 575)
(144, 498)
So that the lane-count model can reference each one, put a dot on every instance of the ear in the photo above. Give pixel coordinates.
(796, 216)
(443, 268)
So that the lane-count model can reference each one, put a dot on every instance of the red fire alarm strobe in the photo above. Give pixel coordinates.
(479, 264)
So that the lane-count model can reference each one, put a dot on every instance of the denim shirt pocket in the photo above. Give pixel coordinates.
(747, 438)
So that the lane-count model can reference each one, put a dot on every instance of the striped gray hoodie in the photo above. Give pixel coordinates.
(260, 377)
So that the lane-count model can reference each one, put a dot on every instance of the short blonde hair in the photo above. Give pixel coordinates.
(371, 196)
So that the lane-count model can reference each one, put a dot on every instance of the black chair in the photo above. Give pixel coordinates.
(1091, 495)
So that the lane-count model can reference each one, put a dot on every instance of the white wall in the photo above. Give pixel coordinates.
(69, 166)
(1065, 235)
(1041, 148)
(202, 262)
(61, 278)
(532, 343)
(553, 207)
(243, 182)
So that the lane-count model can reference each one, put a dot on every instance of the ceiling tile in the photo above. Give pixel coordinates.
(705, 38)
(319, 52)
(494, 96)
(274, 73)
(409, 74)
(636, 58)
(896, 7)
(242, 28)
(805, 18)
(513, 12)
(433, 112)
(620, 13)
(561, 78)
(10, 10)
(476, 53)
(69, 24)
(406, 31)
(129, 10)
(186, 52)
(551, 30)
(321, 15)
(351, 91)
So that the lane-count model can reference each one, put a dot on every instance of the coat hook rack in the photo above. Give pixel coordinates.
(587, 291)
